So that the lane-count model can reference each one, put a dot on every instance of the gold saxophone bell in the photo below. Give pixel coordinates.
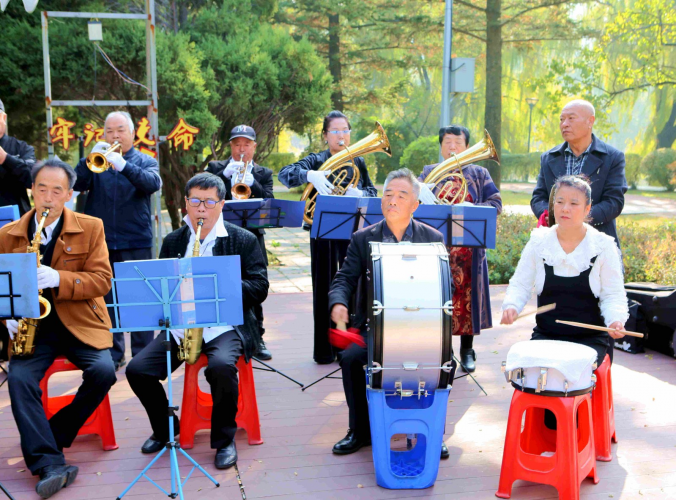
(442, 175)
(241, 191)
(98, 162)
(191, 344)
(24, 341)
(341, 166)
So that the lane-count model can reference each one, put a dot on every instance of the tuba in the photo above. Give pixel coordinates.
(239, 190)
(340, 165)
(443, 174)
(24, 342)
(191, 343)
(98, 162)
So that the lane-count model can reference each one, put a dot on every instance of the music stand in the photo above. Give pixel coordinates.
(186, 313)
(18, 296)
(258, 213)
(8, 214)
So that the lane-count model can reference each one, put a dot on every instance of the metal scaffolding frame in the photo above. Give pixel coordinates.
(150, 103)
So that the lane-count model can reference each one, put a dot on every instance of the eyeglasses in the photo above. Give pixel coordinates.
(196, 202)
(336, 132)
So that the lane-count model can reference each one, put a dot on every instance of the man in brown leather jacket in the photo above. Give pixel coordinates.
(74, 276)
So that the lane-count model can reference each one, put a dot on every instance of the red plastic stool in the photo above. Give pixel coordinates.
(603, 412)
(197, 404)
(572, 444)
(100, 422)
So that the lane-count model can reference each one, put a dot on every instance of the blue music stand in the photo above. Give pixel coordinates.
(171, 299)
(8, 214)
(338, 217)
(258, 213)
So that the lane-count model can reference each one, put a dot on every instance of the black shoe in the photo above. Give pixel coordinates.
(226, 457)
(55, 477)
(444, 451)
(467, 358)
(349, 444)
(119, 364)
(153, 445)
(325, 361)
(263, 353)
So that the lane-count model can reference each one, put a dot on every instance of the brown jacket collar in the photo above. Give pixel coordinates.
(70, 224)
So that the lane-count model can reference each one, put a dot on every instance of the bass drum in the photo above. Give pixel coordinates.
(410, 318)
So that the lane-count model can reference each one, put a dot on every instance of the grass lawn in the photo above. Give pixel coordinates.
(671, 195)
(644, 220)
(514, 198)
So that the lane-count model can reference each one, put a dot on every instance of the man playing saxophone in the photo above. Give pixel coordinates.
(74, 275)
(222, 345)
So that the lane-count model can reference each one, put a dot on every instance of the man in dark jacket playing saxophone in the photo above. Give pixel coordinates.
(223, 345)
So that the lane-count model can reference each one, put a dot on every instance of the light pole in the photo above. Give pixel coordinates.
(445, 115)
(532, 101)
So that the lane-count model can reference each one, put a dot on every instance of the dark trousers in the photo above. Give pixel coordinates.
(147, 369)
(138, 339)
(352, 361)
(258, 308)
(327, 257)
(42, 440)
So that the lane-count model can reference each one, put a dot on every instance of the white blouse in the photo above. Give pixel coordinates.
(606, 279)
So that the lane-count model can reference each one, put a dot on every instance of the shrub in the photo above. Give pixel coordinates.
(648, 250)
(423, 151)
(632, 170)
(276, 161)
(656, 167)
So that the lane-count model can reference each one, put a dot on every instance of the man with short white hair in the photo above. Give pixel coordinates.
(121, 197)
(583, 153)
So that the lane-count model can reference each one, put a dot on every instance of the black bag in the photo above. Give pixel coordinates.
(658, 305)
(635, 323)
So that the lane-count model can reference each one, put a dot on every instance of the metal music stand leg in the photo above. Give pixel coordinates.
(4, 490)
(319, 380)
(4, 370)
(172, 446)
(468, 373)
(273, 369)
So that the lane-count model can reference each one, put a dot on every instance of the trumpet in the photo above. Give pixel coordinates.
(241, 191)
(24, 343)
(98, 162)
(191, 343)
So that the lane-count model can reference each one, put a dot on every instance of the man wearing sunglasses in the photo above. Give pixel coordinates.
(223, 345)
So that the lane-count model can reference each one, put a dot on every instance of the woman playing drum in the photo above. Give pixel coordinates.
(574, 266)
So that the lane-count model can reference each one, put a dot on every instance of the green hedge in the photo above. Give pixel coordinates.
(658, 167)
(423, 151)
(648, 250)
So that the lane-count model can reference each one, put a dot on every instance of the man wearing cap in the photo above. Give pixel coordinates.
(16, 160)
(121, 198)
(242, 149)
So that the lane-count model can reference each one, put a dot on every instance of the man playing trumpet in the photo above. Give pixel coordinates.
(223, 345)
(74, 275)
(120, 197)
(259, 181)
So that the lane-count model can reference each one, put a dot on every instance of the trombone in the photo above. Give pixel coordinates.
(98, 162)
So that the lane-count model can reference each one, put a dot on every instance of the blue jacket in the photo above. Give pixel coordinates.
(122, 199)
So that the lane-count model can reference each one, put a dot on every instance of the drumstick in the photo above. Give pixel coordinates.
(341, 326)
(539, 310)
(600, 328)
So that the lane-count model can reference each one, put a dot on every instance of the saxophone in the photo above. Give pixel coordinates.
(24, 342)
(191, 343)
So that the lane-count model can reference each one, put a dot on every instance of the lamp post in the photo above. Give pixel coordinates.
(532, 101)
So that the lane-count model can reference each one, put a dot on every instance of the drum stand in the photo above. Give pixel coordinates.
(4, 490)
(269, 368)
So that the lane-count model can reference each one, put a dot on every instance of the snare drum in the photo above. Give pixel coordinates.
(551, 368)
(409, 349)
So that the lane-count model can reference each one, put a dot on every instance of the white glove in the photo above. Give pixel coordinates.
(177, 334)
(232, 168)
(319, 180)
(100, 147)
(351, 191)
(116, 160)
(426, 195)
(249, 179)
(12, 328)
(48, 277)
